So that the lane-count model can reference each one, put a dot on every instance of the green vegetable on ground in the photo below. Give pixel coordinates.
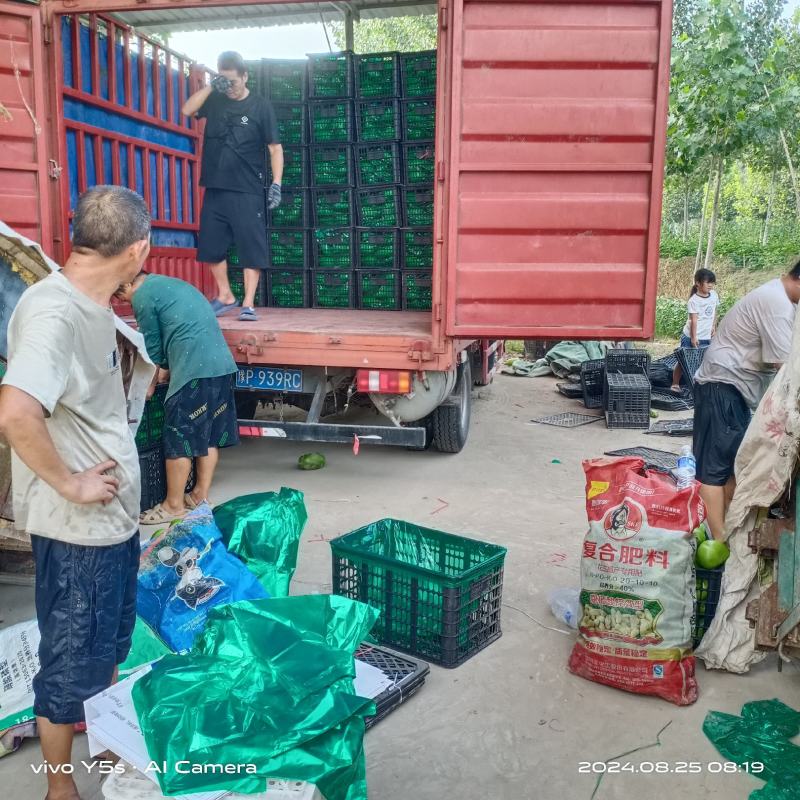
(311, 461)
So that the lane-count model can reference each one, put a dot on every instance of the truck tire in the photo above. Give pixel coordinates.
(451, 422)
(246, 405)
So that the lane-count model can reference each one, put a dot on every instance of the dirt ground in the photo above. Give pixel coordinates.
(511, 723)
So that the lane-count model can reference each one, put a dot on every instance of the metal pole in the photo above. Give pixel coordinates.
(348, 30)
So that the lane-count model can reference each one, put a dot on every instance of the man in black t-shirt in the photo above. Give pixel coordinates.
(233, 173)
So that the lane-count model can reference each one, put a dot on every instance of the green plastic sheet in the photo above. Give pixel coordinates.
(761, 735)
(268, 683)
(145, 648)
(561, 360)
(264, 531)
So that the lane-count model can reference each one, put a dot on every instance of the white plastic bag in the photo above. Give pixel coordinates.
(565, 604)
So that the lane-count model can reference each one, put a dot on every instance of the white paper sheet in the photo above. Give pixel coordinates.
(369, 680)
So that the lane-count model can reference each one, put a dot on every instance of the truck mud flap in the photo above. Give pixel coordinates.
(325, 432)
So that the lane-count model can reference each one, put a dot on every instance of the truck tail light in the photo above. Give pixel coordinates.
(383, 381)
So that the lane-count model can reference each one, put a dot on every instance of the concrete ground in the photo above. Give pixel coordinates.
(511, 723)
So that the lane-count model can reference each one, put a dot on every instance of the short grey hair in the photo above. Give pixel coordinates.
(108, 219)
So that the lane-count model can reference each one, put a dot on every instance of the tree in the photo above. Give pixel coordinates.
(406, 34)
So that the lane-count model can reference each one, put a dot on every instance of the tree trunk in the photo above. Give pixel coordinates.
(792, 174)
(770, 201)
(712, 225)
(685, 231)
(698, 255)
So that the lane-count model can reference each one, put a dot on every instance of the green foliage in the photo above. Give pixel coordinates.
(406, 34)
(671, 315)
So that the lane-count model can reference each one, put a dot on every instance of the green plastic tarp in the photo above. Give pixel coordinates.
(146, 647)
(561, 360)
(268, 683)
(264, 531)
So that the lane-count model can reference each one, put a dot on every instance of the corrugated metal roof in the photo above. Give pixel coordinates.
(259, 16)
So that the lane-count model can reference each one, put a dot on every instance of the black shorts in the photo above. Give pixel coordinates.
(199, 416)
(233, 218)
(721, 417)
(86, 609)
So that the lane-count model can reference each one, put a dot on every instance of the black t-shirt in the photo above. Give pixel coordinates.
(233, 143)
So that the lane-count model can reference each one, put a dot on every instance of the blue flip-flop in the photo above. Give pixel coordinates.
(248, 314)
(220, 308)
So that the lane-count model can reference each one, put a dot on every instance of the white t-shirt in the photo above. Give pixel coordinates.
(705, 308)
(754, 336)
(62, 350)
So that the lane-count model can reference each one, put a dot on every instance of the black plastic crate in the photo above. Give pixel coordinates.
(334, 248)
(592, 381)
(417, 248)
(286, 80)
(332, 121)
(708, 588)
(690, 359)
(378, 75)
(418, 73)
(627, 400)
(419, 120)
(379, 290)
(378, 120)
(628, 361)
(294, 210)
(292, 119)
(150, 432)
(378, 164)
(287, 288)
(335, 289)
(333, 208)
(332, 165)
(418, 207)
(295, 167)
(378, 207)
(419, 163)
(417, 291)
(153, 471)
(236, 280)
(330, 75)
(378, 248)
(289, 248)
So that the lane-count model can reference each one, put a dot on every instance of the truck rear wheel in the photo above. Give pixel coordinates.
(246, 405)
(451, 422)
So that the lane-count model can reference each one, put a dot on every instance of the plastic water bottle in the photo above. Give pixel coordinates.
(566, 605)
(686, 469)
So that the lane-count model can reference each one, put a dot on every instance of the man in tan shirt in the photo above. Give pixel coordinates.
(75, 470)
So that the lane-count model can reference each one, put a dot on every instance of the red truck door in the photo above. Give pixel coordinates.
(555, 124)
(23, 160)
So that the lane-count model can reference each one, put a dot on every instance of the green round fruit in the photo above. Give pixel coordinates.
(712, 554)
(700, 534)
(701, 610)
(311, 461)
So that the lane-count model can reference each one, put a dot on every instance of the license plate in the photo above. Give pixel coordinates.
(273, 379)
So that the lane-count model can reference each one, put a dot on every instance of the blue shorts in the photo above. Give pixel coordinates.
(86, 608)
(686, 342)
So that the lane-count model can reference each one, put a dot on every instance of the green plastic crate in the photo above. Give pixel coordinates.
(378, 248)
(333, 289)
(419, 120)
(236, 280)
(439, 595)
(292, 119)
(287, 289)
(288, 248)
(418, 73)
(232, 258)
(417, 248)
(332, 121)
(379, 207)
(417, 291)
(378, 75)
(295, 167)
(378, 120)
(379, 290)
(293, 212)
(286, 80)
(333, 208)
(418, 204)
(334, 249)
(255, 77)
(150, 432)
(419, 161)
(378, 164)
(332, 165)
(330, 75)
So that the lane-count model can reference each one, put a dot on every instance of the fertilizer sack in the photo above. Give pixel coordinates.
(19, 662)
(637, 581)
(184, 573)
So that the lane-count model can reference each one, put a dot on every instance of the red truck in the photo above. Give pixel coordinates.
(549, 159)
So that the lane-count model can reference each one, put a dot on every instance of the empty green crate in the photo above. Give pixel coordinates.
(236, 280)
(330, 75)
(418, 205)
(378, 75)
(293, 212)
(292, 119)
(439, 595)
(332, 165)
(378, 120)
(379, 290)
(417, 291)
(295, 167)
(419, 163)
(419, 120)
(332, 121)
(378, 164)
(378, 248)
(287, 288)
(378, 207)
(334, 248)
(333, 289)
(150, 432)
(333, 208)
(286, 80)
(418, 73)
(416, 248)
(288, 248)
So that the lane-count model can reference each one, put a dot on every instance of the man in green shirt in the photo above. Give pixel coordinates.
(182, 335)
